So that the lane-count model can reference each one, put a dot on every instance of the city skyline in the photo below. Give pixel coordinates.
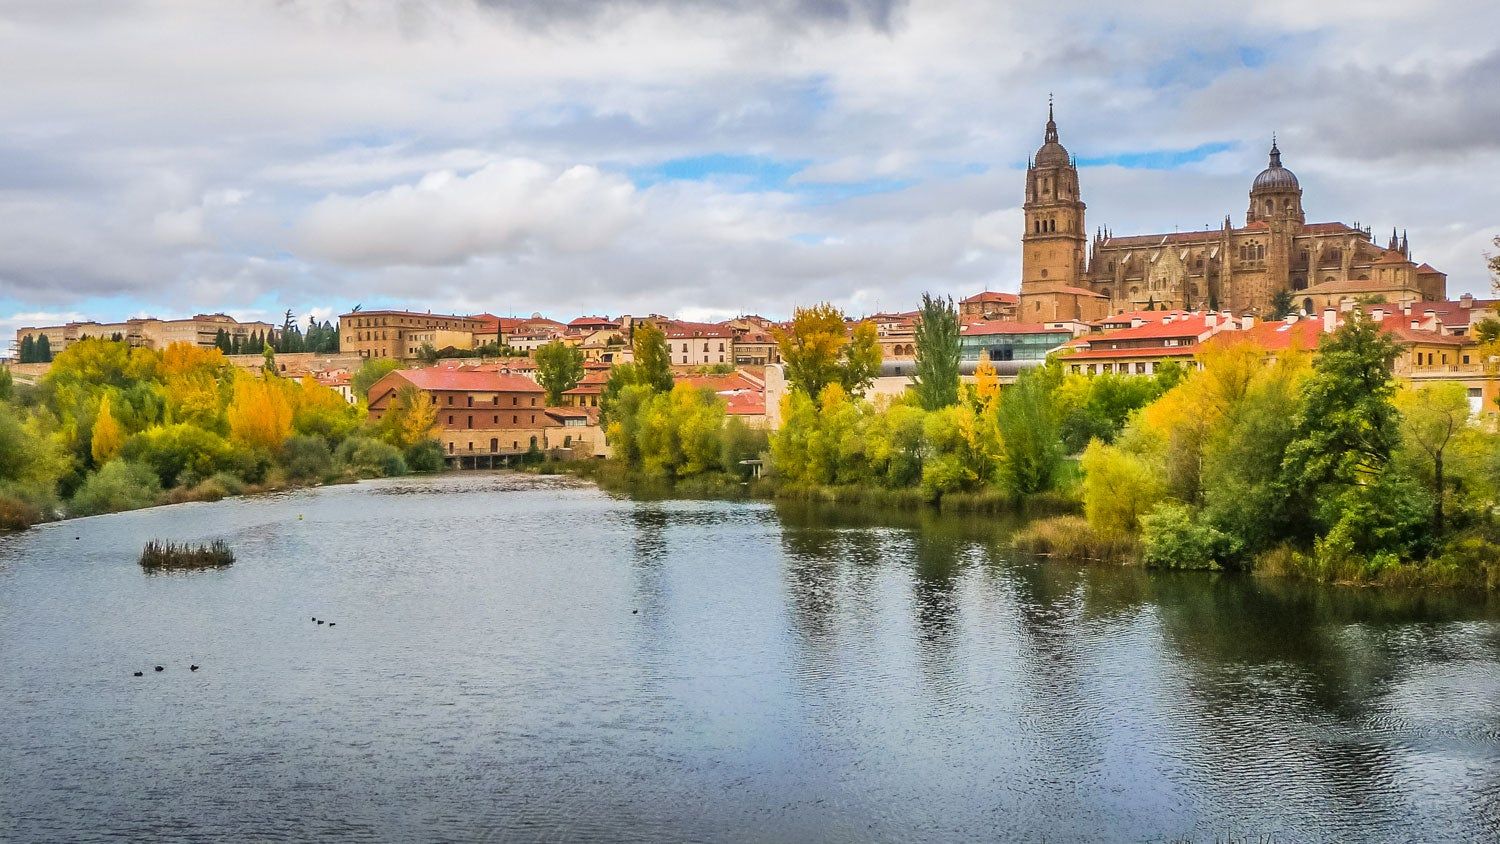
(672, 157)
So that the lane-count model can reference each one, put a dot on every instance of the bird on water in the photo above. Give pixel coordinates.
(140, 673)
(159, 668)
(192, 668)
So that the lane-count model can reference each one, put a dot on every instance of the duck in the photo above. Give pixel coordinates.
(192, 668)
(140, 674)
(635, 612)
(159, 668)
(330, 624)
(318, 622)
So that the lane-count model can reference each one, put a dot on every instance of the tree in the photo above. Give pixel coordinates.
(559, 367)
(7, 384)
(861, 362)
(818, 350)
(269, 366)
(1431, 417)
(28, 349)
(1494, 265)
(410, 420)
(1281, 304)
(260, 415)
(1487, 331)
(936, 376)
(42, 351)
(1029, 432)
(108, 437)
(986, 383)
(372, 370)
(652, 357)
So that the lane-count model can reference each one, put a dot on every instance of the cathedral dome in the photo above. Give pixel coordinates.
(1275, 177)
(1052, 153)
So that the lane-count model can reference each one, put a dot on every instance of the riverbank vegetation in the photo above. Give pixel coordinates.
(112, 428)
(171, 555)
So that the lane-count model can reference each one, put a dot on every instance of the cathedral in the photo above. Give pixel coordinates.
(1068, 274)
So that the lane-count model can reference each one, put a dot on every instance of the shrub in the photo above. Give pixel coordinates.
(425, 456)
(16, 514)
(306, 458)
(1172, 538)
(172, 451)
(120, 485)
(371, 458)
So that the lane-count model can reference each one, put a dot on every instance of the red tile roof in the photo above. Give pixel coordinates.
(468, 380)
(992, 296)
(1150, 352)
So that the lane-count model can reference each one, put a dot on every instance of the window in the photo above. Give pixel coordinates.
(533, 442)
(471, 401)
(450, 448)
(471, 424)
(450, 400)
(497, 419)
(533, 401)
(450, 419)
(515, 400)
(515, 420)
(494, 443)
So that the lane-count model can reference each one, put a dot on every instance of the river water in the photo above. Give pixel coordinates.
(532, 659)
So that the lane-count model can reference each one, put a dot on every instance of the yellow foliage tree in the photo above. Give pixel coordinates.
(411, 419)
(197, 383)
(986, 383)
(109, 437)
(259, 415)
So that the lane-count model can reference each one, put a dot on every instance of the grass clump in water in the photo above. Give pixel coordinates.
(170, 555)
(1071, 537)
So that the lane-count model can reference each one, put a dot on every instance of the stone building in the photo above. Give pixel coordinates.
(402, 334)
(1236, 268)
(201, 330)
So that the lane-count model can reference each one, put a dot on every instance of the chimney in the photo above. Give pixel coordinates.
(1136, 322)
(1429, 320)
(1377, 314)
(1290, 318)
(1210, 320)
(1330, 319)
(1466, 301)
(1406, 308)
(1414, 325)
(1247, 322)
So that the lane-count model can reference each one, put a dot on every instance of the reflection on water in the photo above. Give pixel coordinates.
(522, 658)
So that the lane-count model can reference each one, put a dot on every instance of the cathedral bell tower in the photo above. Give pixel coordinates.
(1053, 247)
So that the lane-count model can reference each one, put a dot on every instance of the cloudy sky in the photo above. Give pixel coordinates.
(693, 157)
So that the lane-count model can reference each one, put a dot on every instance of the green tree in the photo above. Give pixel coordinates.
(936, 376)
(1281, 304)
(1432, 417)
(42, 351)
(372, 370)
(559, 368)
(652, 357)
(28, 349)
(269, 365)
(119, 485)
(7, 384)
(1029, 432)
(861, 360)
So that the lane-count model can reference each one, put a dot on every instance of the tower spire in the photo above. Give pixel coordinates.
(1275, 152)
(1051, 135)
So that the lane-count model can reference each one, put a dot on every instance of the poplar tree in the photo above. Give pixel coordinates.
(936, 377)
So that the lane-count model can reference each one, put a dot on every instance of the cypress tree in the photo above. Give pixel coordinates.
(43, 350)
(936, 374)
(28, 349)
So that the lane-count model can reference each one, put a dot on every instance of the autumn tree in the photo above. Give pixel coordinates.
(108, 435)
(936, 376)
(819, 349)
(410, 420)
(559, 368)
(1029, 432)
(259, 415)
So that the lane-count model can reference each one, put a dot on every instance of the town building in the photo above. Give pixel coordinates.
(1141, 347)
(201, 330)
(990, 305)
(698, 343)
(1026, 343)
(401, 335)
(1241, 269)
(488, 418)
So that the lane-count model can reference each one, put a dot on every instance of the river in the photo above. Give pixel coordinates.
(515, 658)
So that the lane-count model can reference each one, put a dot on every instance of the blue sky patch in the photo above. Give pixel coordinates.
(1158, 159)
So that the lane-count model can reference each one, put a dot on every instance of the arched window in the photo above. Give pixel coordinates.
(1307, 305)
(494, 443)
(533, 442)
(1270, 206)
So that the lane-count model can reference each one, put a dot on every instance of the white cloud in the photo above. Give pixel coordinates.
(452, 154)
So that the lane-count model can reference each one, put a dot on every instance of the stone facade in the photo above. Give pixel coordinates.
(1235, 268)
